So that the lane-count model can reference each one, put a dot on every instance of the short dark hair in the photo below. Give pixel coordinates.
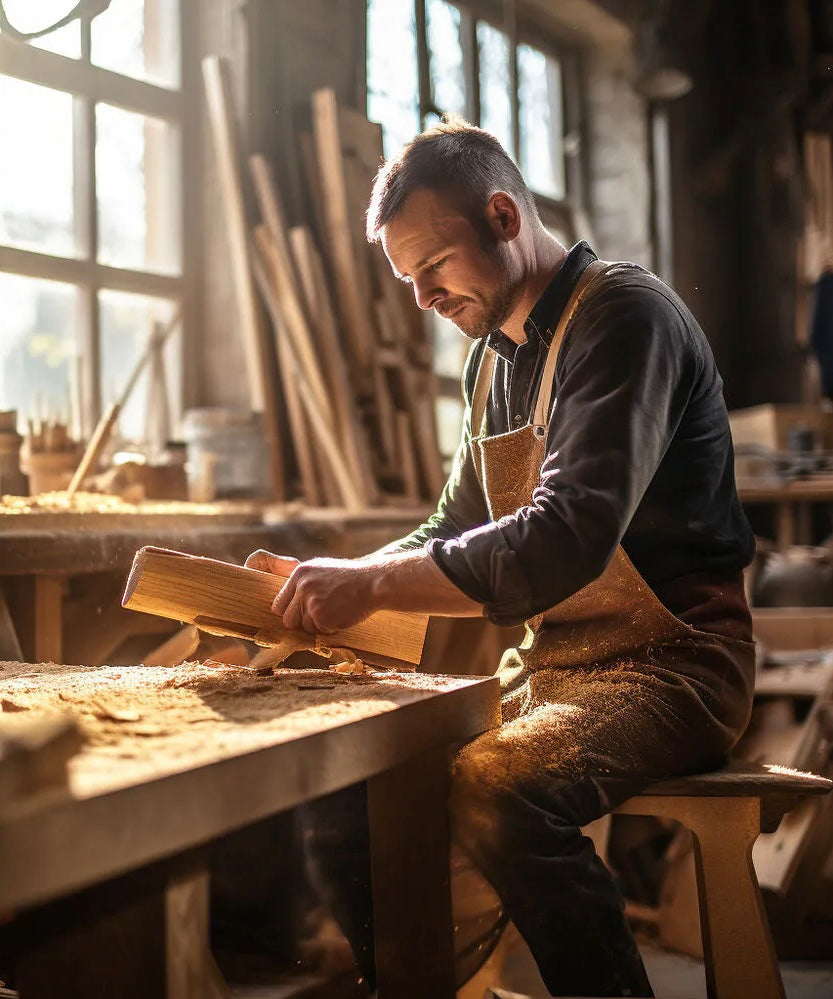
(453, 156)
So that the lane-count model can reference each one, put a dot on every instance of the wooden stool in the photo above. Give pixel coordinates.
(725, 811)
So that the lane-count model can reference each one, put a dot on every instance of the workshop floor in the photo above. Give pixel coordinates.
(675, 976)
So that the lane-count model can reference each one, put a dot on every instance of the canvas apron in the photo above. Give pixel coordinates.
(615, 619)
(614, 614)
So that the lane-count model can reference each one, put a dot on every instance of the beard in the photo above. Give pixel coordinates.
(487, 313)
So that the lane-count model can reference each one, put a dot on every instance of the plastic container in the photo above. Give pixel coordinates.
(227, 457)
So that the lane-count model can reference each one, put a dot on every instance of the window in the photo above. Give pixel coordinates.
(90, 205)
(426, 58)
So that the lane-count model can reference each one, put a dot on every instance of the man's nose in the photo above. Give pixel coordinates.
(426, 293)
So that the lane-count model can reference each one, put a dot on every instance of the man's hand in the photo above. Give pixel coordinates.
(325, 595)
(322, 595)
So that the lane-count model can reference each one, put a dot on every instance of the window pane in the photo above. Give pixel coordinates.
(36, 181)
(399, 123)
(450, 347)
(65, 41)
(139, 38)
(37, 346)
(26, 16)
(126, 324)
(449, 424)
(136, 172)
(448, 81)
(392, 83)
(539, 96)
(495, 103)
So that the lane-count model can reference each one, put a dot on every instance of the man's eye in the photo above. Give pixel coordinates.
(437, 264)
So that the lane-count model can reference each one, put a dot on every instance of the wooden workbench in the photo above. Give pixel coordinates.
(107, 880)
(792, 501)
(41, 553)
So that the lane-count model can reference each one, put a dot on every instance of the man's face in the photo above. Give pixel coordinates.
(463, 274)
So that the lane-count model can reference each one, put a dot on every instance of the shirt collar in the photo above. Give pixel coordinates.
(543, 319)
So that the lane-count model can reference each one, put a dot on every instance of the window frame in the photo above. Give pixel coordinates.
(88, 85)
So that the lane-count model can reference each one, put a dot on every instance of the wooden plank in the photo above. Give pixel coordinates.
(218, 98)
(314, 400)
(352, 289)
(311, 272)
(257, 352)
(418, 402)
(299, 426)
(299, 326)
(226, 599)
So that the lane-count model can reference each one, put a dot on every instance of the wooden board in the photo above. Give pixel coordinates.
(351, 280)
(226, 599)
(310, 387)
(258, 353)
(311, 272)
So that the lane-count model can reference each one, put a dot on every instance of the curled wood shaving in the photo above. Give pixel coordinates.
(351, 665)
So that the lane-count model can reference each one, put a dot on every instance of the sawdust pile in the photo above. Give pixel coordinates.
(80, 502)
(146, 721)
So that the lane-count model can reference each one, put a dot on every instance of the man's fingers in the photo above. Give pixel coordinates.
(282, 601)
(280, 565)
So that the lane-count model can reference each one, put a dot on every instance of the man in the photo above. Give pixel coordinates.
(592, 497)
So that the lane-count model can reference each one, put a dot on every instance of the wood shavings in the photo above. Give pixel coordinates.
(113, 713)
(194, 714)
(351, 665)
(85, 502)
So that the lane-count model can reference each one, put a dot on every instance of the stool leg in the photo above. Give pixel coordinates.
(739, 954)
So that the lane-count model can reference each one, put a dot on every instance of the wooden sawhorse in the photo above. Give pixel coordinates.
(725, 811)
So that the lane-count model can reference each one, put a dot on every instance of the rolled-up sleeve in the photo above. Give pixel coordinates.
(623, 381)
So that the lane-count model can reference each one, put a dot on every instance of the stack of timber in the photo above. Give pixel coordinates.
(344, 375)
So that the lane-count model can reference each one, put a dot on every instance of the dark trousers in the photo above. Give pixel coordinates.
(577, 744)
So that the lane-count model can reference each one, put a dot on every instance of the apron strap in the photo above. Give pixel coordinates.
(591, 273)
(485, 371)
(482, 387)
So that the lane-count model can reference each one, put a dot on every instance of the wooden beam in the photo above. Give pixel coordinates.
(257, 351)
(311, 272)
(352, 287)
(309, 383)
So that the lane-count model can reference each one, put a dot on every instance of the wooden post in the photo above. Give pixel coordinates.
(409, 847)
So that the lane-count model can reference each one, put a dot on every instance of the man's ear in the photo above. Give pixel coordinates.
(503, 216)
